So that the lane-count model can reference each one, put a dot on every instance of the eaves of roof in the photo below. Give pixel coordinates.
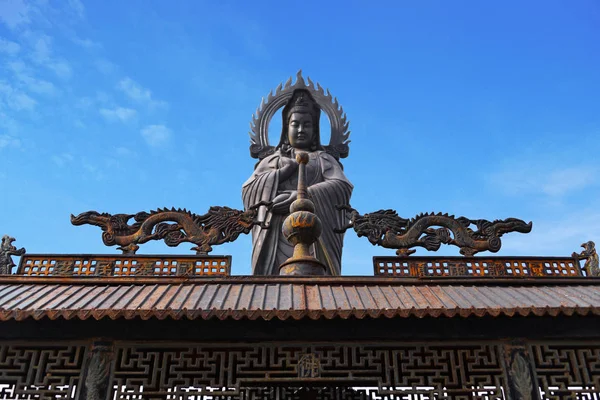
(292, 298)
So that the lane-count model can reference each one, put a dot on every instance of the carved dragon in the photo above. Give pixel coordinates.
(174, 226)
(385, 228)
(7, 250)
(591, 266)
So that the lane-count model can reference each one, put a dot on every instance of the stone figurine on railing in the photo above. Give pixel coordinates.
(7, 250)
(590, 256)
(385, 228)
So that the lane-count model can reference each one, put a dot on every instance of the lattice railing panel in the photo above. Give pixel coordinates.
(133, 265)
(510, 267)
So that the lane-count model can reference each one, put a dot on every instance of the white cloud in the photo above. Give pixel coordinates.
(138, 93)
(9, 141)
(8, 47)
(119, 113)
(156, 135)
(105, 66)
(561, 235)
(16, 99)
(92, 169)
(562, 181)
(9, 128)
(62, 159)
(41, 53)
(551, 181)
(21, 101)
(84, 103)
(124, 152)
(103, 98)
(85, 43)
(14, 13)
(77, 7)
(61, 68)
(42, 48)
(24, 75)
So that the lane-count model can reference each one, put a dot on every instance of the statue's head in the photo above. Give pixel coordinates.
(6, 241)
(589, 246)
(300, 125)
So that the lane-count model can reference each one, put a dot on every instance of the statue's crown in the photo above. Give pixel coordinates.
(303, 104)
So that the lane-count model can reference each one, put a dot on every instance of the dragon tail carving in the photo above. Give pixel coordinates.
(174, 226)
(430, 230)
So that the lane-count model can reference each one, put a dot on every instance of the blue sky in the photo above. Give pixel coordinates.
(482, 109)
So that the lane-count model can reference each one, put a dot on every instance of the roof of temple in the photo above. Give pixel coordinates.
(292, 297)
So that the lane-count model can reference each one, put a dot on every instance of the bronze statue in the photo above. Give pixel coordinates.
(591, 266)
(275, 177)
(7, 250)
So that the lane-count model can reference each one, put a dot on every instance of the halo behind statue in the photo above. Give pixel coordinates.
(259, 127)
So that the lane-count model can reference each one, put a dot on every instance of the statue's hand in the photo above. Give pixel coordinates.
(287, 168)
(282, 202)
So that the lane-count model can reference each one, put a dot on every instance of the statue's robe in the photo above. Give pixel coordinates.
(327, 188)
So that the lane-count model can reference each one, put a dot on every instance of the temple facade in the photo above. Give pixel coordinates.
(138, 326)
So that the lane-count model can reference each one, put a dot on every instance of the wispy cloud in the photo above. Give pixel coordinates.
(104, 66)
(85, 43)
(124, 152)
(557, 236)
(92, 169)
(77, 7)
(9, 47)
(9, 129)
(62, 159)
(156, 135)
(138, 93)
(118, 114)
(15, 99)
(15, 13)
(9, 141)
(25, 76)
(42, 54)
(549, 181)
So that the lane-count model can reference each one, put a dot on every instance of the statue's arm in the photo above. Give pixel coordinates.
(331, 171)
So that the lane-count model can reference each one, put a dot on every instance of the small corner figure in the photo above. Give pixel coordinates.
(7, 250)
(590, 256)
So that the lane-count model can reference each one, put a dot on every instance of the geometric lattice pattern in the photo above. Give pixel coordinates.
(336, 371)
(567, 371)
(518, 267)
(134, 265)
(440, 372)
(41, 372)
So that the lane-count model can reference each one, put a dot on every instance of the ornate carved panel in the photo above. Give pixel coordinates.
(404, 371)
(41, 372)
(567, 370)
(292, 371)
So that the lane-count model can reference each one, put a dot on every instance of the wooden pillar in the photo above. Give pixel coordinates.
(521, 378)
(96, 380)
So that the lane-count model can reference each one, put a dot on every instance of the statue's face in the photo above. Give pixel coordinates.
(301, 131)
